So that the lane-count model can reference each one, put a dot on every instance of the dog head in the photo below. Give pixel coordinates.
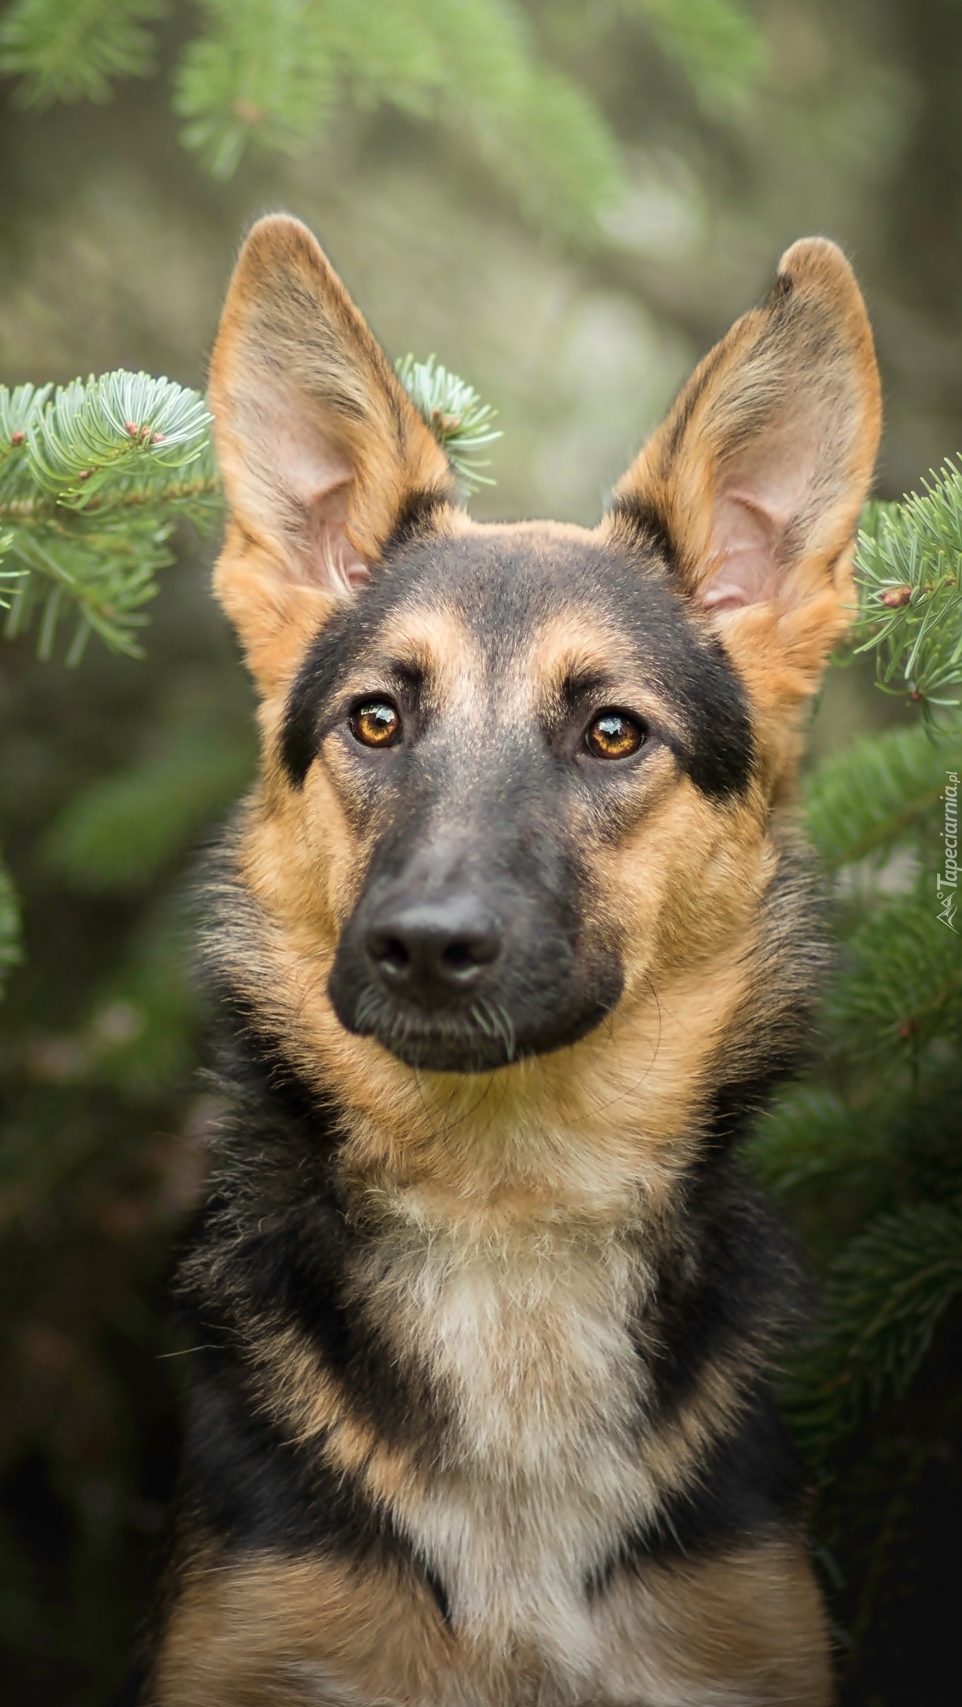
(520, 779)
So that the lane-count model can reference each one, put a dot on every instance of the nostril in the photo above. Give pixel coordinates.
(457, 956)
(389, 952)
(395, 955)
(465, 954)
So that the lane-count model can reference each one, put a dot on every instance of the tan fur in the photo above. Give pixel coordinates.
(290, 1632)
(688, 891)
(511, 1302)
(753, 1618)
(250, 1635)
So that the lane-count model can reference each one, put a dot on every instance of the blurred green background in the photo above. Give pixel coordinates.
(842, 117)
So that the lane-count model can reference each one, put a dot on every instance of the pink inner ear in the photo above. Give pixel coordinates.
(329, 557)
(316, 487)
(756, 511)
(745, 539)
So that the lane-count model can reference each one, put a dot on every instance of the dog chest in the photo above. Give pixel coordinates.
(541, 1469)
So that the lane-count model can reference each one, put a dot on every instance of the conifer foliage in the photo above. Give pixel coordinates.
(910, 563)
(93, 479)
(9, 926)
(271, 73)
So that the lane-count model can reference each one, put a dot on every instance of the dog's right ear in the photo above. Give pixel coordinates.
(321, 449)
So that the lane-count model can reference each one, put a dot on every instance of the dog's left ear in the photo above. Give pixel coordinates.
(321, 449)
(756, 479)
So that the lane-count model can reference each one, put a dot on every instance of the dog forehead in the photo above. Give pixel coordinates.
(518, 595)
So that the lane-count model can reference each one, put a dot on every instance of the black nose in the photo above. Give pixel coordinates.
(432, 950)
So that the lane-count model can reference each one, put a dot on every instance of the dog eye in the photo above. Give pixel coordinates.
(375, 723)
(615, 735)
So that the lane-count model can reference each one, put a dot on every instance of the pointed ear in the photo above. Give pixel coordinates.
(756, 479)
(321, 449)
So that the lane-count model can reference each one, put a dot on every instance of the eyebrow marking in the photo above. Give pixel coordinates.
(580, 684)
(408, 673)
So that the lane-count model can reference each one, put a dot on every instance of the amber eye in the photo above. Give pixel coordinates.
(375, 723)
(614, 735)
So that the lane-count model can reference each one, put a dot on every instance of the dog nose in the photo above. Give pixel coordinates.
(430, 951)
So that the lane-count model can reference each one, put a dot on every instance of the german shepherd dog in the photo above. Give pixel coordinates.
(512, 936)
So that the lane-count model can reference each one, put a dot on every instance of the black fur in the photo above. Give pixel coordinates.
(751, 1488)
(252, 1491)
(277, 1241)
(729, 1280)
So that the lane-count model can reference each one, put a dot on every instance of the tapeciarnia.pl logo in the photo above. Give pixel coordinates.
(948, 879)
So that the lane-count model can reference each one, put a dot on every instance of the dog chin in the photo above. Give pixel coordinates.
(477, 1043)
(434, 1051)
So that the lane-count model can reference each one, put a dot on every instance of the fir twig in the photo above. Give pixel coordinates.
(269, 72)
(861, 800)
(884, 1298)
(92, 483)
(908, 570)
(69, 50)
(460, 422)
(717, 42)
(95, 477)
(811, 1135)
(905, 987)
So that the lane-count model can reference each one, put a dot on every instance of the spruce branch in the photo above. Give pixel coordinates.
(885, 1296)
(908, 570)
(864, 799)
(717, 43)
(260, 72)
(269, 72)
(904, 988)
(811, 1135)
(460, 422)
(8, 576)
(93, 481)
(95, 477)
(69, 50)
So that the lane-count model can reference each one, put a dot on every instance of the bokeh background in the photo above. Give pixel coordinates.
(115, 250)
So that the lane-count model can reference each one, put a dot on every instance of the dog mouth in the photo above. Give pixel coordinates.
(476, 1039)
(479, 1037)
